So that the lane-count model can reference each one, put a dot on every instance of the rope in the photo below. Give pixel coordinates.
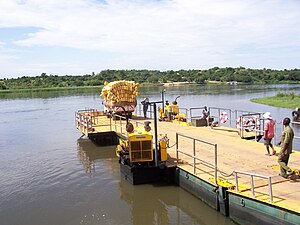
(224, 174)
(172, 145)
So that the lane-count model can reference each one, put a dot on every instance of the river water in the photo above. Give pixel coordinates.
(48, 175)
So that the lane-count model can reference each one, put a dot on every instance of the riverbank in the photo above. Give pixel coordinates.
(290, 100)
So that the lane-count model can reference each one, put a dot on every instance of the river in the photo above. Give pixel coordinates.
(49, 175)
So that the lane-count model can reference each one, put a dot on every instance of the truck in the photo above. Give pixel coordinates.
(119, 98)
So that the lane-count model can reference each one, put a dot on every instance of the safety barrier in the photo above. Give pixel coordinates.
(222, 116)
(252, 175)
(296, 123)
(194, 156)
(252, 122)
(84, 119)
(215, 164)
(139, 111)
(196, 112)
(120, 123)
(88, 120)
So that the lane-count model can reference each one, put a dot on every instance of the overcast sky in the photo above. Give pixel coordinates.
(83, 36)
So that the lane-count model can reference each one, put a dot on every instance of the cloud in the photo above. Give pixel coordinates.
(184, 31)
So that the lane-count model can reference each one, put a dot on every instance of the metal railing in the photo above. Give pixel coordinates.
(89, 119)
(139, 111)
(251, 122)
(252, 175)
(120, 123)
(84, 119)
(194, 156)
(296, 123)
(195, 113)
(215, 113)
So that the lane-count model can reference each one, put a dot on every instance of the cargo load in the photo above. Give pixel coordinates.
(120, 97)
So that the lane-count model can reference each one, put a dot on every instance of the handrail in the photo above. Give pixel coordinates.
(122, 123)
(298, 123)
(185, 112)
(257, 123)
(295, 122)
(219, 114)
(195, 158)
(195, 108)
(252, 182)
(139, 111)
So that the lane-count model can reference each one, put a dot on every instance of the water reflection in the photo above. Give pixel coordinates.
(220, 89)
(159, 204)
(148, 204)
(49, 94)
(88, 153)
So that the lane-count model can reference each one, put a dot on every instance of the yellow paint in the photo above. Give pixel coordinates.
(163, 149)
(140, 145)
(223, 183)
(276, 167)
(171, 108)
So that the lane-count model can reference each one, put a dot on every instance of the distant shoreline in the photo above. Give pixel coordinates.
(166, 84)
(50, 89)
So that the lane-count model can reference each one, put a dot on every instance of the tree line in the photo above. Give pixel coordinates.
(228, 74)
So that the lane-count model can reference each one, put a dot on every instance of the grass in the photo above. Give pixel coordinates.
(283, 100)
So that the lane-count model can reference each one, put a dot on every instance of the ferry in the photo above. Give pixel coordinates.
(219, 160)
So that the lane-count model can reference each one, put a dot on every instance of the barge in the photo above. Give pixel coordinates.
(216, 164)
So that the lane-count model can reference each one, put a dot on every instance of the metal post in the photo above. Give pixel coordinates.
(241, 127)
(216, 163)
(230, 118)
(236, 182)
(155, 134)
(163, 99)
(252, 186)
(255, 129)
(121, 124)
(194, 154)
(177, 147)
(270, 190)
(275, 131)
(110, 125)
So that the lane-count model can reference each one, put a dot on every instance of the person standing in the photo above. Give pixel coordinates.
(269, 132)
(205, 115)
(286, 148)
(145, 104)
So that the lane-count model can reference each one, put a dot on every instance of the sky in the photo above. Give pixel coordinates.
(74, 37)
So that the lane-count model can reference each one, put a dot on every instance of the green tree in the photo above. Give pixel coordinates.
(2, 86)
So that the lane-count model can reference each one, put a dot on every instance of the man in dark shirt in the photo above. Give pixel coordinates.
(286, 148)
